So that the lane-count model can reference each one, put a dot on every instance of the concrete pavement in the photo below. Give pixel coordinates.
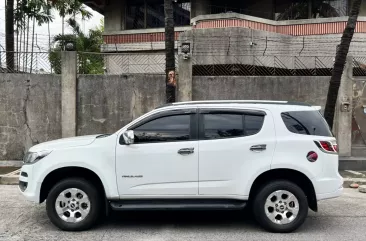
(338, 219)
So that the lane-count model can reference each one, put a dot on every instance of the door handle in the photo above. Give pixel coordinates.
(258, 148)
(186, 151)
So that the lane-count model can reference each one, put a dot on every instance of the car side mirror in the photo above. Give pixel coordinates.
(128, 137)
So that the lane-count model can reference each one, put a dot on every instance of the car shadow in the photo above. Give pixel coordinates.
(210, 220)
(179, 218)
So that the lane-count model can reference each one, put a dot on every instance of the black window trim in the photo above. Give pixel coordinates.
(193, 124)
(233, 111)
(243, 112)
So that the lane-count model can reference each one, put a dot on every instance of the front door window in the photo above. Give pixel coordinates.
(164, 129)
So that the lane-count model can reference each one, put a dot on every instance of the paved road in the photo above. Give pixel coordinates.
(338, 219)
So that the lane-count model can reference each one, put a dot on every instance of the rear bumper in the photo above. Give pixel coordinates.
(328, 187)
(329, 195)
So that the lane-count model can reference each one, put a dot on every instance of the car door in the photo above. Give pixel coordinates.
(163, 160)
(235, 146)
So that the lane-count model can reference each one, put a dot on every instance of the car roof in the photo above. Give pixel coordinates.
(268, 104)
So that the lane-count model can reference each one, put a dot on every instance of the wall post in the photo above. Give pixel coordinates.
(344, 110)
(68, 93)
(185, 78)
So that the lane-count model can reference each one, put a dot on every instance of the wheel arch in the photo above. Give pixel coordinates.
(61, 173)
(292, 175)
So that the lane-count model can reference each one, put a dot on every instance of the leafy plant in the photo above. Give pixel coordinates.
(87, 45)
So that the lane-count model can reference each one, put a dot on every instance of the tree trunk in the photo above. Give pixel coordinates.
(27, 44)
(24, 43)
(169, 49)
(9, 32)
(31, 63)
(339, 63)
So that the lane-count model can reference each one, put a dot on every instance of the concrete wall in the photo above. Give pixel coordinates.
(233, 45)
(200, 7)
(236, 41)
(325, 45)
(30, 112)
(312, 90)
(114, 16)
(30, 105)
(359, 113)
(107, 103)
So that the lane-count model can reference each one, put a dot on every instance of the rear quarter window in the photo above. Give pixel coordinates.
(306, 123)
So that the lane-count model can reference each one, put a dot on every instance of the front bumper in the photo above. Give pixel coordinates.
(32, 190)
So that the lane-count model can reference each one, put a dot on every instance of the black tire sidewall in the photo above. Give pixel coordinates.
(260, 199)
(95, 204)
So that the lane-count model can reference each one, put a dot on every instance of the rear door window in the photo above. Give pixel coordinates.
(218, 126)
(306, 123)
(253, 124)
(230, 125)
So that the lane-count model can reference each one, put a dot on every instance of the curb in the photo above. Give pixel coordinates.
(362, 189)
(9, 163)
(348, 181)
(11, 178)
(352, 163)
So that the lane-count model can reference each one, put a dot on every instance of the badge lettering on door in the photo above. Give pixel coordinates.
(132, 176)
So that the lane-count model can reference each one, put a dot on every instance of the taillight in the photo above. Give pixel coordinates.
(327, 146)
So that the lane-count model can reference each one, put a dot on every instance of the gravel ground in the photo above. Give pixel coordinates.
(338, 219)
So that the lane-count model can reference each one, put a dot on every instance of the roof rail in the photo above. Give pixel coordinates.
(235, 102)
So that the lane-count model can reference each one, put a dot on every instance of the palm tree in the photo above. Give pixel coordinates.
(339, 63)
(169, 49)
(71, 8)
(86, 44)
(27, 11)
(39, 10)
(9, 38)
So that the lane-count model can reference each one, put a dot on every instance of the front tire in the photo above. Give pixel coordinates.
(280, 206)
(74, 204)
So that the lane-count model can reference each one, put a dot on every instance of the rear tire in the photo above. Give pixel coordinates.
(74, 204)
(280, 206)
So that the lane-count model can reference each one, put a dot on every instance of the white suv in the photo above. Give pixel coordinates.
(279, 158)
